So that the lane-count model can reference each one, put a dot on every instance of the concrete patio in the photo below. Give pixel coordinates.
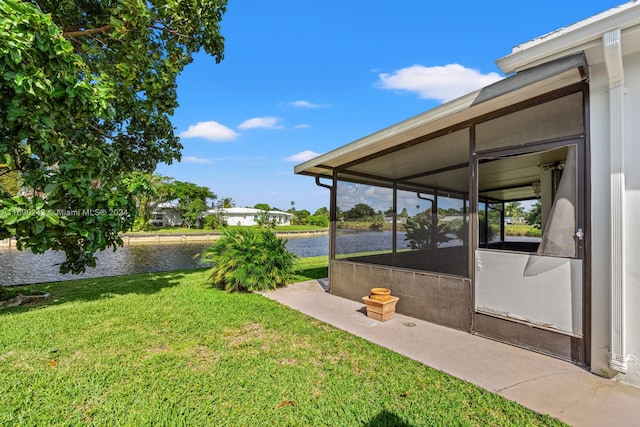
(540, 383)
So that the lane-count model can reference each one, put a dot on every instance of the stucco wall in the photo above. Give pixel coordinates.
(601, 219)
(171, 218)
(440, 299)
(248, 219)
(632, 213)
(240, 219)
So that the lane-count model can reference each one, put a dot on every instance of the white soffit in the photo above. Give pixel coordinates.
(507, 92)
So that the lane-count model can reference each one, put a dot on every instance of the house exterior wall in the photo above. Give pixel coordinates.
(601, 218)
(632, 208)
(251, 218)
(280, 219)
(239, 219)
(170, 217)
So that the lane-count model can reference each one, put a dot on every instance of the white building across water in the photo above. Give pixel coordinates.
(251, 216)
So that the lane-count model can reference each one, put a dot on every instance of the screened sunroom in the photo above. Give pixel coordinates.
(421, 208)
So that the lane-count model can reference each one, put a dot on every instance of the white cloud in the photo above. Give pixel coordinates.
(350, 194)
(194, 159)
(212, 131)
(302, 126)
(261, 122)
(306, 104)
(443, 83)
(302, 156)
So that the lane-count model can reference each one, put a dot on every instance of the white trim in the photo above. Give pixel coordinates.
(568, 39)
(613, 60)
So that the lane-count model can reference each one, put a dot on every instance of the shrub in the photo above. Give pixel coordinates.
(213, 221)
(419, 233)
(249, 259)
(140, 224)
(318, 220)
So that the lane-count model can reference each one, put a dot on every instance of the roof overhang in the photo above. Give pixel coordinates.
(512, 90)
(581, 36)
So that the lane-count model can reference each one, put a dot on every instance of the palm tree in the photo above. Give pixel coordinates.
(226, 203)
(514, 210)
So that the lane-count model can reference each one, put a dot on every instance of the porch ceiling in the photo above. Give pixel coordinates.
(420, 151)
(512, 178)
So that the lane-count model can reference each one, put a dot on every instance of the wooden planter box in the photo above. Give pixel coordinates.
(381, 310)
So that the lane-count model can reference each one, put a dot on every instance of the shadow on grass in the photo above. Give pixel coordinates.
(97, 288)
(311, 273)
(387, 419)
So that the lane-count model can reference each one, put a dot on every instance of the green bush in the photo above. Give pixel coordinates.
(250, 259)
(419, 234)
(140, 224)
(318, 220)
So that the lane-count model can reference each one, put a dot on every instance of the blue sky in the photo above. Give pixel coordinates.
(301, 78)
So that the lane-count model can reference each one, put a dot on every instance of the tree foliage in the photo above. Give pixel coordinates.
(321, 212)
(421, 233)
(534, 216)
(318, 220)
(87, 89)
(158, 190)
(226, 203)
(377, 222)
(300, 217)
(360, 212)
(249, 259)
(192, 200)
(192, 211)
(262, 206)
(10, 183)
(514, 210)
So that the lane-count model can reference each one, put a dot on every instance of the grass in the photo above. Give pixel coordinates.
(363, 225)
(522, 230)
(312, 268)
(166, 349)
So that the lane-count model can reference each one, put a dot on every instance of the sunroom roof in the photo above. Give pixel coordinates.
(392, 154)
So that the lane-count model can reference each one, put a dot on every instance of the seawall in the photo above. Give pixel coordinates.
(156, 238)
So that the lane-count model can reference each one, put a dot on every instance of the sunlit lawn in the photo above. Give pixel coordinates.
(522, 230)
(165, 349)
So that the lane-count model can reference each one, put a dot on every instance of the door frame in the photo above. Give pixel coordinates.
(530, 336)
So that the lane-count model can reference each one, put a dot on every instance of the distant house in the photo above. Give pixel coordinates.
(251, 216)
(166, 214)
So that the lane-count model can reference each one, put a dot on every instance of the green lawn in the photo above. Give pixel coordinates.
(522, 230)
(165, 349)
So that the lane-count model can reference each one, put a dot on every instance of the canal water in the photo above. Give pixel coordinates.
(24, 267)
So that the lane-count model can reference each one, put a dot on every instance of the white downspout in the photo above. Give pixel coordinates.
(615, 70)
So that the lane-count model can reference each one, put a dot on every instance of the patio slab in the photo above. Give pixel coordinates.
(540, 383)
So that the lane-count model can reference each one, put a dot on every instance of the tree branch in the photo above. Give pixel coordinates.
(167, 30)
(16, 159)
(8, 171)
(89, 31)
(100, 131)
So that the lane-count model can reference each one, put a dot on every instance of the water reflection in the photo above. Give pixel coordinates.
(26, 267)
(18, 267)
